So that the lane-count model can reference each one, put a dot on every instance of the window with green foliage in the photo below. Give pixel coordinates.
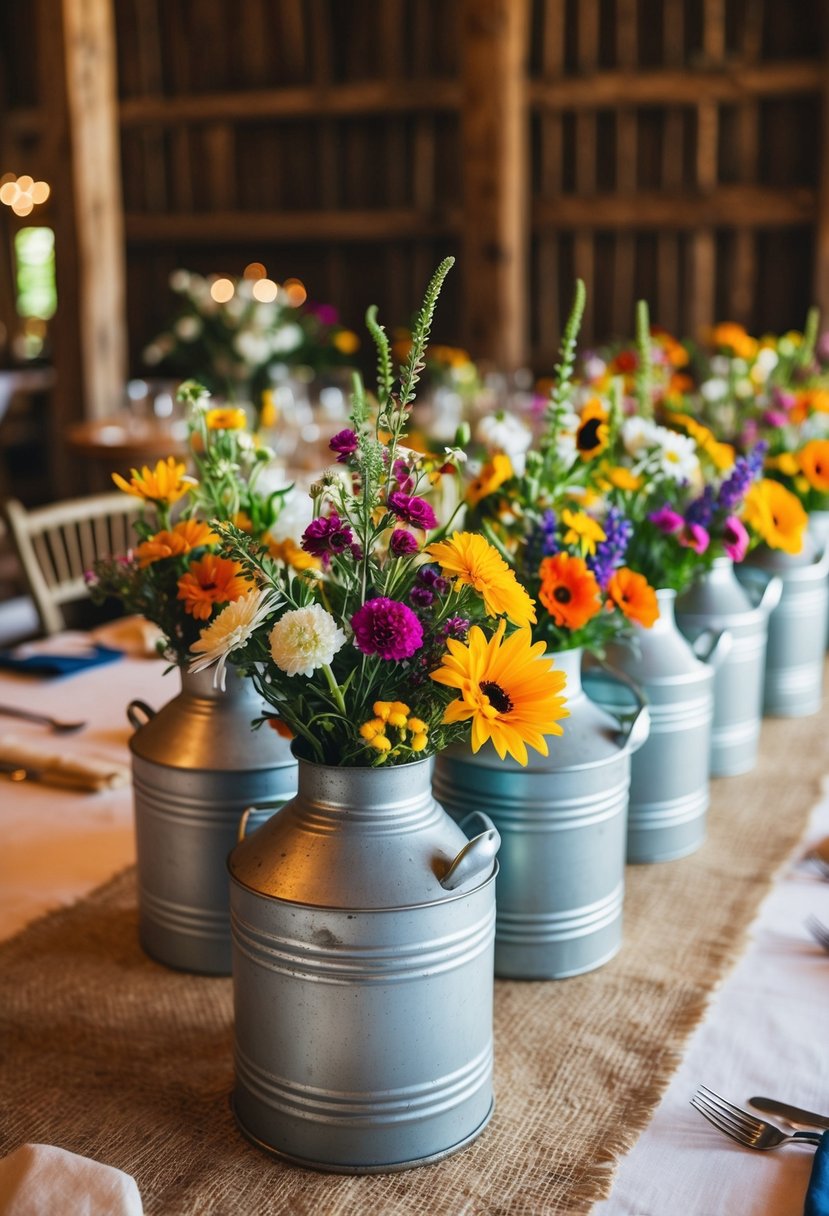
(34, 250)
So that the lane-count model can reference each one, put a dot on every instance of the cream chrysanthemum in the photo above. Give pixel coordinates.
(231, 630)
(305, 639)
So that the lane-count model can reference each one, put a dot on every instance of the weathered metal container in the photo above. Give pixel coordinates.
(196, 765)
(363, 924)
(797, 627)
(819, 532)
(563, 824)
(717, 600)
(669, 791)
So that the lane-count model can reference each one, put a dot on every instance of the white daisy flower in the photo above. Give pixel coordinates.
(505, 433)
(304, 639)
(715, 389)
(231, 630)
(678, 455)
(638, 434)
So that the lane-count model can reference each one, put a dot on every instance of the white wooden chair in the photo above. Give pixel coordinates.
(56, 544)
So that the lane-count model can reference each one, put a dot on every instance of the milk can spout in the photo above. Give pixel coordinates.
(475, 858)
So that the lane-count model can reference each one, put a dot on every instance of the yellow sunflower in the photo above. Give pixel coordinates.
(472, 562)
(593, 432)
(510, 692)
(492, 475)
(182, 539)
(167, 482)
(776, 514)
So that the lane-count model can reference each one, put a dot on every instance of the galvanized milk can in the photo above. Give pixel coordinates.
(196, 765)
(819, 532)
(718, 601)
(563, 823)
(669, 775)
(363, 923)
(797, 627)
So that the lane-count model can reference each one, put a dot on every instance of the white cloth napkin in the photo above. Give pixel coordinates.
(43, 1180)
(44, 763)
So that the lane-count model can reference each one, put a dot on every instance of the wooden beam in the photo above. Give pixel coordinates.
(402, 223)
(820, 285)
(314, 101)
(91, 300)
(494, 158)
(677, 86)
(724, 206)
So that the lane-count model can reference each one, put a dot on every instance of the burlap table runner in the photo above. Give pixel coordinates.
(114, 1057)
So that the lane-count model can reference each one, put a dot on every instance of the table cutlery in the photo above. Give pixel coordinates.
(743, 1127)
(55, 724)
(819, 932)
(46, 776)
(792, 1114)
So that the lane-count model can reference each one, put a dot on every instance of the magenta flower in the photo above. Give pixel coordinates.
(403, 475)
(667, 520)
(402, 543)
(414, 511)
(735, 538)
(387, 628)
(775, 418)
(326, 536)
(695, 537)
(344, 443)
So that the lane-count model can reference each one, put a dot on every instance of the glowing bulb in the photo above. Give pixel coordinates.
(25, 183)
(22, 205)
(7, 177)
(295, 291)
(255, 270)
(40, 191)
(222, 290)
(265, 290)
(8, 193)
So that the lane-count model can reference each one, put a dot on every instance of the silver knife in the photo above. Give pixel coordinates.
(792, 1114)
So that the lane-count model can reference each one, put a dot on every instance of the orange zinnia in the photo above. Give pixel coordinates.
(569, 590)
(814, 462)
(633, 595)
(776, 515)
(182, 539)
(213, 580)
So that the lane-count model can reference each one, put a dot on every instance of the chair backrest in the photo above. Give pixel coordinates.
(56, 544)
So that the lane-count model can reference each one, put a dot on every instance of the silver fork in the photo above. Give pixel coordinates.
(819, 932)
(821, 865)
(746, 1129)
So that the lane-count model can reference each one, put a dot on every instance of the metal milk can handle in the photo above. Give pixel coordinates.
(634, 729)
(476, 857)
(139, 713)
(823, 560)
(712, 646)
(771, 595)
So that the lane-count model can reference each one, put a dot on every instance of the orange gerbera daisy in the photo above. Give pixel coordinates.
(633, 595)
(471, 561)
(182, 539)
(167, 482)
(776, 515)
(226, 418)
(814, 462)
(569, 590)
(210, 581)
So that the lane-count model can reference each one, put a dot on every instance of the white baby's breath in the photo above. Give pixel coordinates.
(305, 639)
(231, 630)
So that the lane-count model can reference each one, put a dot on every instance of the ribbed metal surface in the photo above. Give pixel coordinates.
(187, 812)
(562, 821)
(669, 774)
(797, 631)
(362, 987)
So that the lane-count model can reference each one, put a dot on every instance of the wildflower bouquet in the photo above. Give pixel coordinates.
(233, 335)
(774, 390)
(546, 511)
(394, 643)
(176, 576)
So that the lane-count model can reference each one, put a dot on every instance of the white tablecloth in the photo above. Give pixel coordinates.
(765, 1032)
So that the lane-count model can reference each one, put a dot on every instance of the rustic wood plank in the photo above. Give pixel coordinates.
(584, 241)
(627, 144)
(494, 157)
(702, 247)
(821, 264)
(743, 278)
(383, 224)
(673, 86)
(726, 206)
(147, 52)
(357, 97)
(669, 250)
(551, 153)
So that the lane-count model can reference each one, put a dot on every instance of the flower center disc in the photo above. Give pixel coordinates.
(498, 699)
(588, 436)
(562, 595)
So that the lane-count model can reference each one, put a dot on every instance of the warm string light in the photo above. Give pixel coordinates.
(263, 289)
(22, 193)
